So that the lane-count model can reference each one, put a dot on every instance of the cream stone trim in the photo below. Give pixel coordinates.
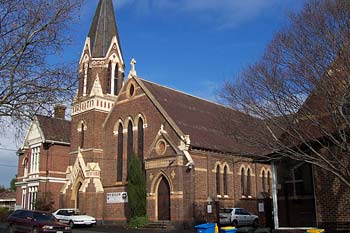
(116, 126)
(240, 170)
(128, 100)
(163, 163)
(261, 172)
(86, 45)
(251, 171)
(199, 169)
(217, 163)
(229, 172)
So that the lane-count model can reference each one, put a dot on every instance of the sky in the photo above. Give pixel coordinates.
(189, 45)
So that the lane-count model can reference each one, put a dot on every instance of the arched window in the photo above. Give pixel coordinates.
(242, 182)
(263, 181)
(116, 72)
(225, 181)
(218, 180)
(140, 137)
(120, 153)
(130, 144)
(269, 182)
(108, 81)
(25, 173)
(82, 135)
(249, 183)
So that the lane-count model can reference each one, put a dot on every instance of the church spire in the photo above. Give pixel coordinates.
(103, 29)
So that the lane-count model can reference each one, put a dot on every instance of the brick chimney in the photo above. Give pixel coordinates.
(60, 111)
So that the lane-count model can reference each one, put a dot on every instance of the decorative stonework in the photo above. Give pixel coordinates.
(161, 147)
(173, 174)
(151, 176)
(162, 163)
(95, 103)
(85, 173)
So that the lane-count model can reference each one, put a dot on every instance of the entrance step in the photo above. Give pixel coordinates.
(160, 225)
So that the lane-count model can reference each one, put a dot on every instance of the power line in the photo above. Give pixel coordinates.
(8, 149)
(7, 165)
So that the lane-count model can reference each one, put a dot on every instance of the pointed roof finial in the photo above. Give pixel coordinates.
(103, 28)
(133, 69)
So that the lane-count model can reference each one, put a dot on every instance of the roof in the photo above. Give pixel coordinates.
(54, 129)
(7, 195)
(206, 122)
(103, 28)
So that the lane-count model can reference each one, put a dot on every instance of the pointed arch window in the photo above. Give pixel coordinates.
(140, 139)
(242, 182)
(269, 182)
(120, 153)
(116, 72)
(218, 180)
(249, 183)
(225, 181)
(82, 134)
(263, 184)
(130, 144)
(108, 81)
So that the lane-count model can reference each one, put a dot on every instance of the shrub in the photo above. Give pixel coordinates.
(138, 221)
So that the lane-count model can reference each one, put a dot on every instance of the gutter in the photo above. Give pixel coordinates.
(184, 147)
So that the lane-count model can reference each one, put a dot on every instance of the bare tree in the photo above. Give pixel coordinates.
(299, 90)
(31, 32)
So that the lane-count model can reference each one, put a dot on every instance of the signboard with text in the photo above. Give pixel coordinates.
(117, 197)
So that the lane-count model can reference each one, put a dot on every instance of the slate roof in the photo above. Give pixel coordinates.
(55, 129)
(207, 123)
(103, 28)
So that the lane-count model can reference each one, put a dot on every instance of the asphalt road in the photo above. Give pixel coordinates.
(110, 229)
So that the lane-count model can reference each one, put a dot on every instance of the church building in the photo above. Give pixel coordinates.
(192, 165)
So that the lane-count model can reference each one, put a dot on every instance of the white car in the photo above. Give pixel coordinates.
(73, 217)
(237, 217)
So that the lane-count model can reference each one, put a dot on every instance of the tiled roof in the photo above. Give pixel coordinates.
(207, 123)
(55, 129)
(7, 195)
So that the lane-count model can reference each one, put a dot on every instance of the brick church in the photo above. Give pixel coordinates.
(189, 160)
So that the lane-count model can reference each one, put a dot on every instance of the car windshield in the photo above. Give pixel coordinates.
(73, 212)
(43, 217)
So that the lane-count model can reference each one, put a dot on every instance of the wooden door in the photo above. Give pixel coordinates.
(163, 200)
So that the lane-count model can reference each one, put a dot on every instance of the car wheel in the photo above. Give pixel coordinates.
(71, 224)
(234, 223)
(35, 230)
(256, 223)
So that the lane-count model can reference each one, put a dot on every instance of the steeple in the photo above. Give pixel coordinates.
(103, 28)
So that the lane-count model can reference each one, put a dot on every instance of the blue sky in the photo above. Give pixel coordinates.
(189, 45)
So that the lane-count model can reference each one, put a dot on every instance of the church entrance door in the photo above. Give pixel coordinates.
(163, 200)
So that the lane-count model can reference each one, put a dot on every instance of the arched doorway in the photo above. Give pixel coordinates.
(163, 200)
(77, 198)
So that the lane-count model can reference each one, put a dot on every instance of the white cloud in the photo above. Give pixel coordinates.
(224, 13)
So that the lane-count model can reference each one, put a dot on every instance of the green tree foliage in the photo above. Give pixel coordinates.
(13, 185)
(136, 188)
(44, 202)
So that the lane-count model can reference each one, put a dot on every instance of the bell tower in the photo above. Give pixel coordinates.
(101, 74)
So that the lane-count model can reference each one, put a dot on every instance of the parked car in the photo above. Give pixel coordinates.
(35, 222)
(73, 217)
(237, 217)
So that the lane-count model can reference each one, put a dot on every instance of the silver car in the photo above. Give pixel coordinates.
(237, 217)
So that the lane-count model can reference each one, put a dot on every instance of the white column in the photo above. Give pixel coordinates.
(274, 195)
(112, 77)
(85, 78)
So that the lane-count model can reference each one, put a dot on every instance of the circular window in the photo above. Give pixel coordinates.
(161, 147)
(131, 90)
